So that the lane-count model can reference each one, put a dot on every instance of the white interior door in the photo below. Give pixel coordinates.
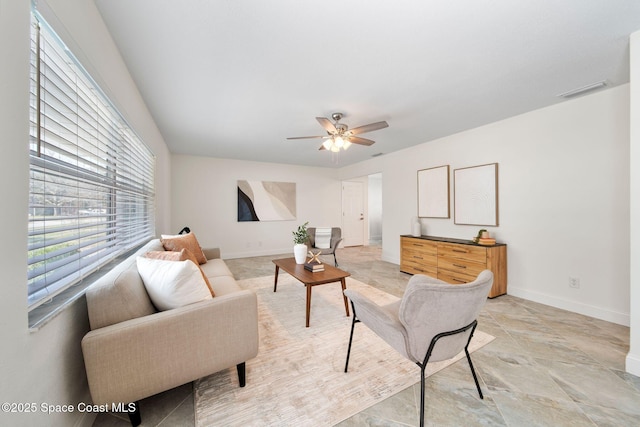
(352, 213)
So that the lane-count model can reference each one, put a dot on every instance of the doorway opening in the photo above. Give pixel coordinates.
(362, 211)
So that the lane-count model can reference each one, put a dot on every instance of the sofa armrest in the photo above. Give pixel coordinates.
(140, 357)
(211, 253)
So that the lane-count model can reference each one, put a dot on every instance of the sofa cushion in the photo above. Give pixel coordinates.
(223, 285)
(216, 267)
(117, 297)
(184, 241)
(172, 284)
(183, 255)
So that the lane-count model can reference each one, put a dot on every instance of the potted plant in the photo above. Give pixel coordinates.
(299, 243)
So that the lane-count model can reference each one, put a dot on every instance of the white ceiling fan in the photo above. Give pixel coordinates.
(339, 136)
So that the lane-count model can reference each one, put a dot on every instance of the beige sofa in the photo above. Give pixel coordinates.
(133, 351)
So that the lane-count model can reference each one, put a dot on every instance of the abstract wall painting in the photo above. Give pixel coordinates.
(476, 195)
(266, 201)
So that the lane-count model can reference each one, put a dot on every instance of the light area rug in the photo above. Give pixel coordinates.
(298, 377)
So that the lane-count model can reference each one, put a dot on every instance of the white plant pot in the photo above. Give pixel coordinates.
(300, 253)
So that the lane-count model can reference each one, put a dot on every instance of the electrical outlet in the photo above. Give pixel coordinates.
(574, 282)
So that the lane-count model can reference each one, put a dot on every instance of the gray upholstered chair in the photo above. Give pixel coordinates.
(336, 238)
(430, 312)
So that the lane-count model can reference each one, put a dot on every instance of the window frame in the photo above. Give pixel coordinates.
(91, 179)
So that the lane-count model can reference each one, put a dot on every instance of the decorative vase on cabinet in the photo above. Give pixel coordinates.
(416, 227)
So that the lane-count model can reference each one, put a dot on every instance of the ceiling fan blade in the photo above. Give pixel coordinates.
(368, 128)
(326, 124)
(305, 137)
(361, 141)
(321, 148)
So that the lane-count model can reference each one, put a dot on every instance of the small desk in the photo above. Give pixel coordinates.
(329, 275)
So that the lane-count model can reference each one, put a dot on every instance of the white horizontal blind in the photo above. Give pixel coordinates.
(91, 178)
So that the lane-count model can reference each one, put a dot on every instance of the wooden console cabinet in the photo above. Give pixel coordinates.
(454, 260)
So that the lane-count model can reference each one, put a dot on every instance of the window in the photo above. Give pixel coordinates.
(91, 195)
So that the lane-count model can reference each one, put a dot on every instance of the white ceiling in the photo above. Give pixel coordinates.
(234, 79)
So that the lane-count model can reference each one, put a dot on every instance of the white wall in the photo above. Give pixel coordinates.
(46, 366)
(563, 199)
(633, 358)
(204, 197)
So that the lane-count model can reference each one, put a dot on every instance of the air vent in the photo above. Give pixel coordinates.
(584, 89)
(377, 154)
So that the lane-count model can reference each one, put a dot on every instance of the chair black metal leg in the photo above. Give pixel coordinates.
(473, 372)
(335, 260)
(242, 377)
(422, 397)
(134, 416)
(423, 365)
(353, 324)
(466, 351)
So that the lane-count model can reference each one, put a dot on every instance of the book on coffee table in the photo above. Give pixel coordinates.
(313, 267)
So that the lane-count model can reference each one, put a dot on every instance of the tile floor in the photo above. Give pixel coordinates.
(546, 367)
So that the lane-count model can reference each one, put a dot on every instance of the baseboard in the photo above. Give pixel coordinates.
(573, 306)
(633, 364)
(392, 260)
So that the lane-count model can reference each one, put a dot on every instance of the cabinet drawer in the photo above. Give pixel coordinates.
(417, 268)
(468, 252)
(418, 245)
(455, 278)
(462, 266)
(411, 255)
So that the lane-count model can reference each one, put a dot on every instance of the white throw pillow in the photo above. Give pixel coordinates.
(172, 284)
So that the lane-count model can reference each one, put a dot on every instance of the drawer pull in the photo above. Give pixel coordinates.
(460, 251)
(459, 266)
(417, 257)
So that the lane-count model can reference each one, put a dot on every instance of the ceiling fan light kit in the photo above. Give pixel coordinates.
(339, 136)
(335, 143)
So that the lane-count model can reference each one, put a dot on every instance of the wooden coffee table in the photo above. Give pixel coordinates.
(329, 275)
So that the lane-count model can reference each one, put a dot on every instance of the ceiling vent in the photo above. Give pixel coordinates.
(584, 89)
(377, 154)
